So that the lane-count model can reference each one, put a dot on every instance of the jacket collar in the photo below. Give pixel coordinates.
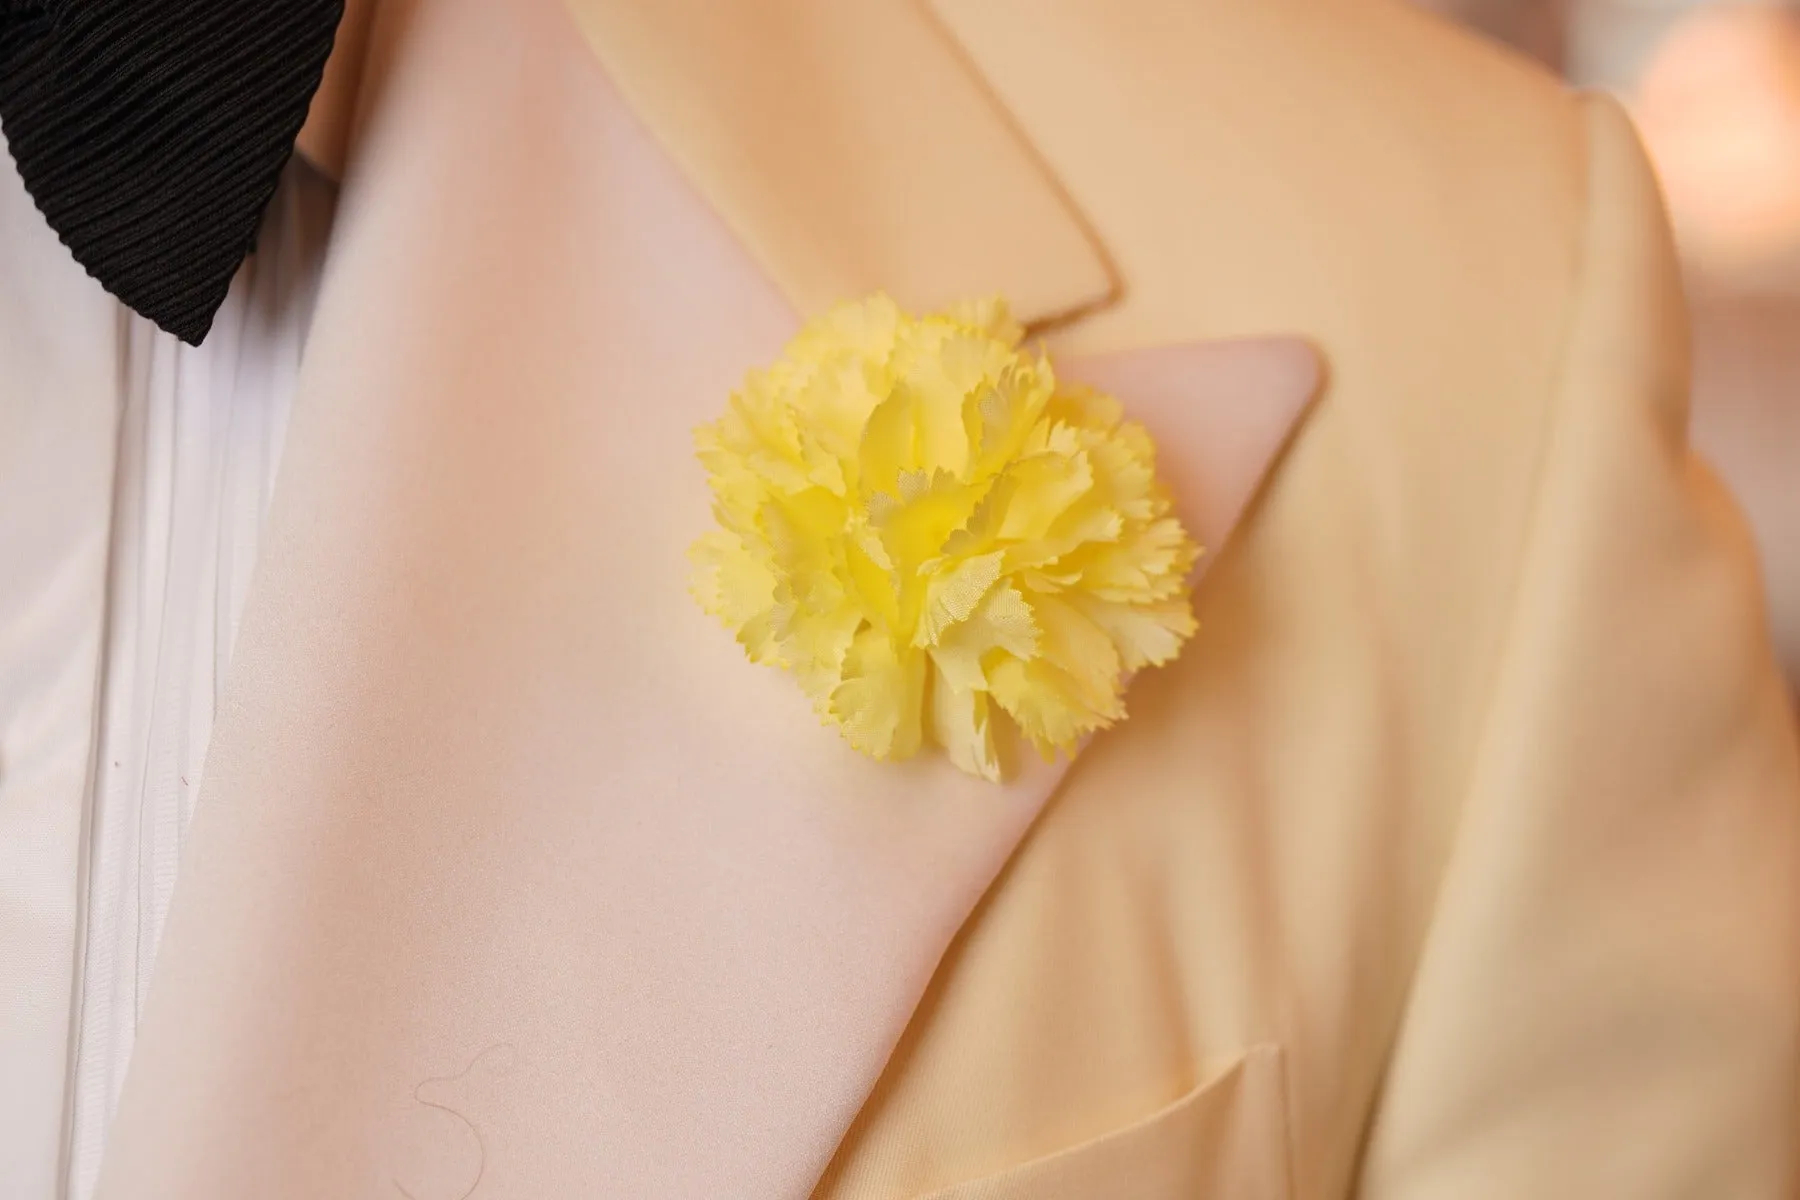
(849, 146)
(852, 147)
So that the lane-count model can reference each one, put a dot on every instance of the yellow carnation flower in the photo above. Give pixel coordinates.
(920, 524)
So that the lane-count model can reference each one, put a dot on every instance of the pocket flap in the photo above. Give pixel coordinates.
(1224, 1140)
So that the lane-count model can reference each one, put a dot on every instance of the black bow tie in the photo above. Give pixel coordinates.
(152, 133)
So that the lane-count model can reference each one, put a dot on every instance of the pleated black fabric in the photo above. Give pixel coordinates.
(152, 133)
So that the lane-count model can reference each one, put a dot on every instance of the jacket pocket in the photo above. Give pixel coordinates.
(1224, 1140)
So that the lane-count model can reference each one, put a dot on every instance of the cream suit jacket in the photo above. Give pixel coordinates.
(1455, 860)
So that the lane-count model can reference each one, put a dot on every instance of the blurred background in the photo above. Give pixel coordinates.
(1715, 88)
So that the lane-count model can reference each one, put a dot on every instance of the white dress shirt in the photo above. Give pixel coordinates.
(134, 474)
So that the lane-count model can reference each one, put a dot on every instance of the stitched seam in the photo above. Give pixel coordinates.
(1290, 1150)
(1536, 519)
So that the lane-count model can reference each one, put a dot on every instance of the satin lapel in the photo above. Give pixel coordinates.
(509, 877)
